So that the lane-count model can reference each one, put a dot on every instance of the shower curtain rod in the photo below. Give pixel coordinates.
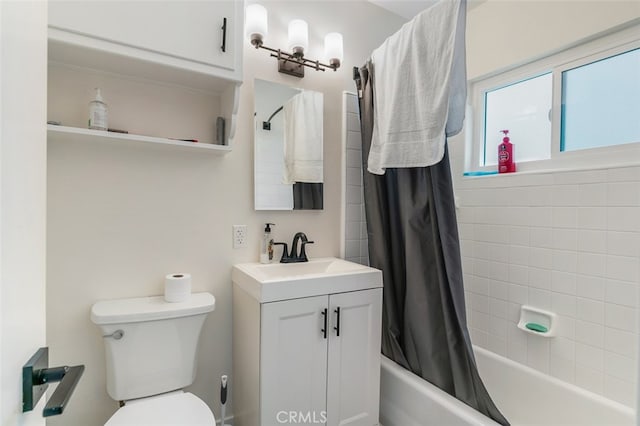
(266, 125)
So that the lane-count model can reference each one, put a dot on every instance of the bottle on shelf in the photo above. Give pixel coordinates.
(506, 163)
(98, 119)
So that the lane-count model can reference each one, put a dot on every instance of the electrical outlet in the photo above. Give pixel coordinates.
(239, 236)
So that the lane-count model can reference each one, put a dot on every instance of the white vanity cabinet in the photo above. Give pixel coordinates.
(307, 360)
(293, 359)
(353, 376)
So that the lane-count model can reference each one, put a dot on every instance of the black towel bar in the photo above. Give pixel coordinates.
(36, 376)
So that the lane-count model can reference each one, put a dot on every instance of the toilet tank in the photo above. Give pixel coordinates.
(151, 345)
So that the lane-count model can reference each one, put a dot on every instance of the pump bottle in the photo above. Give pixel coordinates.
(98, 113)
(266, 246)
(506, 164)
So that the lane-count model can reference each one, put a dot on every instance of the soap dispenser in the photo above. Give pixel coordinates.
(266, 247)
(506, 162)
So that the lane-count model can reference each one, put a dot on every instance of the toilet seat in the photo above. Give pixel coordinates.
(172, 409)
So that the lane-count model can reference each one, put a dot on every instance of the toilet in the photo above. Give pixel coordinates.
(151, 354)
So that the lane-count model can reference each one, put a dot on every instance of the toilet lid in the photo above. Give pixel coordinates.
(174, 409)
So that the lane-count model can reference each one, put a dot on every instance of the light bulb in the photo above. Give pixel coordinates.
(298, 37)
(333, 50)
(256, 23)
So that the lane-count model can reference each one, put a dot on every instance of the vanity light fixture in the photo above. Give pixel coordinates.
(292, 63)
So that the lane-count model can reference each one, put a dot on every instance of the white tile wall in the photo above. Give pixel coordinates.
(565, 242)
(356, 247)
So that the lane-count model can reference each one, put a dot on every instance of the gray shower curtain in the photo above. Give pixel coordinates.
(308, 196)
(413, 239)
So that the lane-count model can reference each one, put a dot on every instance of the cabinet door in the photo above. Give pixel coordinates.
(353, 389)
(190, 30)
(293, 361)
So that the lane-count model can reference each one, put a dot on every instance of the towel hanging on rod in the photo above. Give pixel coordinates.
(420, 88)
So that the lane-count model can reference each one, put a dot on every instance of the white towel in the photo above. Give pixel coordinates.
(303, 138)
(420, 88)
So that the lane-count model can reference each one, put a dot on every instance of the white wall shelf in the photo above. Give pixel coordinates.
(117, 47)
(64, 133)
(88, 53)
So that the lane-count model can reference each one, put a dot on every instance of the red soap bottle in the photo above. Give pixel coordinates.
(505, 155)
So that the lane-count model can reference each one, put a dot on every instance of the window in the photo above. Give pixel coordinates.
(601, 103)
(523, 108)
(574, 103)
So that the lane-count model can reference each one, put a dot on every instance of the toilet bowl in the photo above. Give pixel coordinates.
(151, 353)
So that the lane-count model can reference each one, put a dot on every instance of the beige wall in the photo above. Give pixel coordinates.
(120, 218)
(565, 242)
(501, 33)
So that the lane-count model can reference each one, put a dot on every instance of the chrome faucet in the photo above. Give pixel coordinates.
(295, 257)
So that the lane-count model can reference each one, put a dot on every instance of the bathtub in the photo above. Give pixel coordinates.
(524, 395)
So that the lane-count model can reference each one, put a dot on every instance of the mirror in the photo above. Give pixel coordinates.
(288, 144)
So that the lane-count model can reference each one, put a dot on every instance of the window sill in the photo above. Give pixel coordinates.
(620, 156)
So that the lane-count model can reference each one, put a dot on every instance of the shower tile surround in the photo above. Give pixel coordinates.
(356, 247)
(567, 242)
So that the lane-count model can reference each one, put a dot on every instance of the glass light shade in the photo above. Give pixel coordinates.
(256, 21)
(333, 46)
(298, 35)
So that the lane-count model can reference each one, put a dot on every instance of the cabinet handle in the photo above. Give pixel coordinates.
(324, 330)
(337, 327)
(224, 35)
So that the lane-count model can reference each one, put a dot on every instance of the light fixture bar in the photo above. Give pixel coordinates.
(292, 65)
(256, 28)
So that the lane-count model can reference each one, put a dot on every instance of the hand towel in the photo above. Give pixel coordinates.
(420, 88)
(303, 138)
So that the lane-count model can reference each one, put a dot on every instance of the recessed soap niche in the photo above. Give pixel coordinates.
(537, 321)
(137, 105)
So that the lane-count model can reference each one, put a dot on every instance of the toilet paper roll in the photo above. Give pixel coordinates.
(177, 287)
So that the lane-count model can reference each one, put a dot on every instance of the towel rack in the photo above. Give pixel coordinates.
(36, 376)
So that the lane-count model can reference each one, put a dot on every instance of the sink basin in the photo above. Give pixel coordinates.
(282, 281)
(285, 271)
